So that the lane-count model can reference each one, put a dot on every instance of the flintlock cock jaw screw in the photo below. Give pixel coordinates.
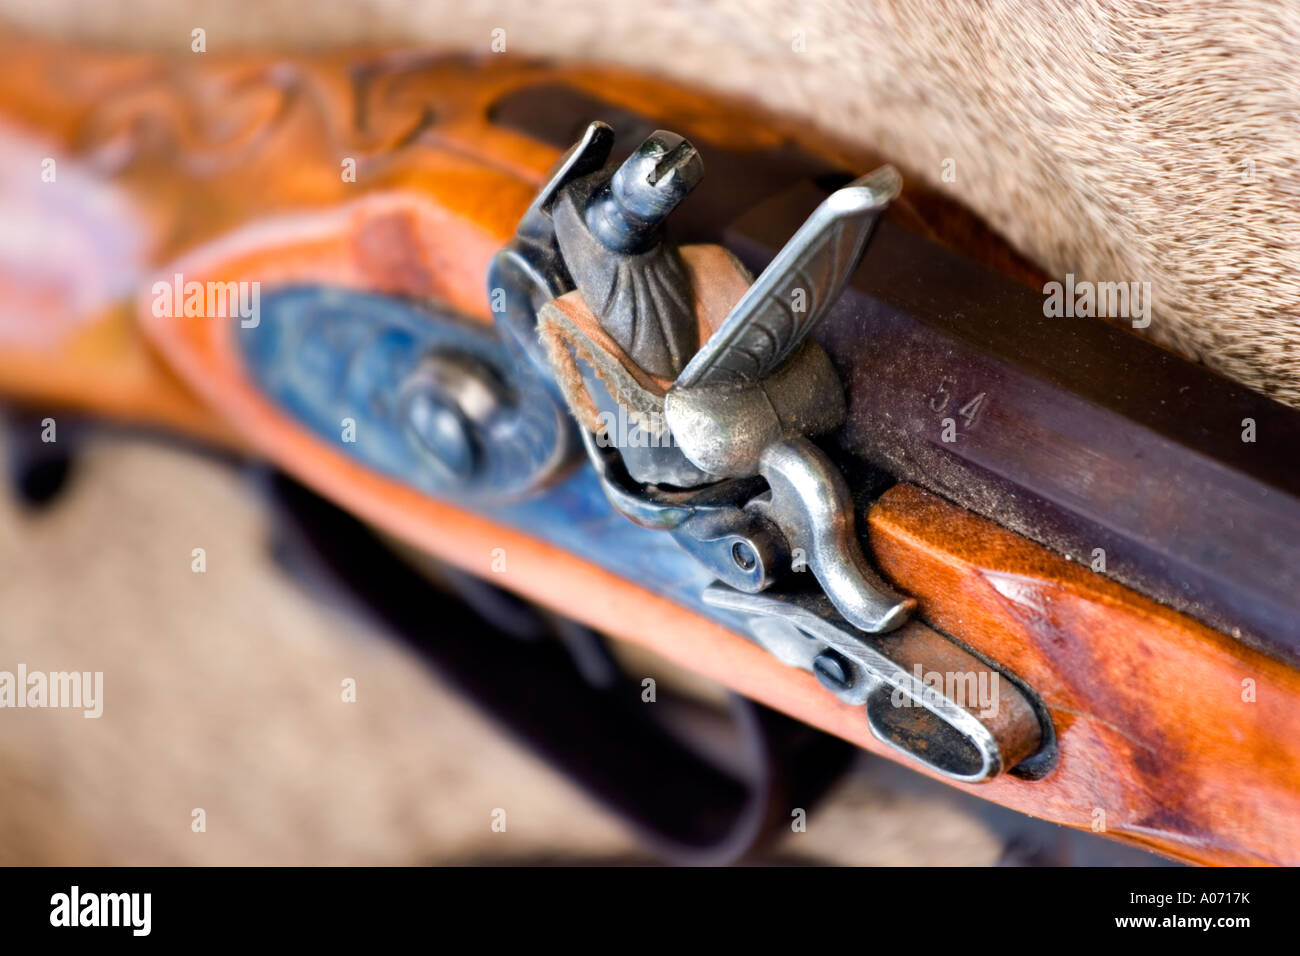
(609, 230)
(626, 213)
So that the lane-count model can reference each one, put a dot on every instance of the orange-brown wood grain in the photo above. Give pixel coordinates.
(1171, 735)
(157, 156)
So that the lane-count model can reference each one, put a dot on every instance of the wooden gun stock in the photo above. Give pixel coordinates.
(402, 176)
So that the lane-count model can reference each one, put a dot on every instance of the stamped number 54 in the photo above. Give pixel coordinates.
(969, 412)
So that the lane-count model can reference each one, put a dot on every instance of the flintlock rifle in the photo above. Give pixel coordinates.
(507, 314)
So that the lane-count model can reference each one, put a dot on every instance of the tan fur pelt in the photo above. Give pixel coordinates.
(1120, 141)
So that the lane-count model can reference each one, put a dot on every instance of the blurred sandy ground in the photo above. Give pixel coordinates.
(222, 692)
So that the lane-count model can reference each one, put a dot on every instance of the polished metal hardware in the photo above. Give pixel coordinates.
(924, 695)
(742, 485)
